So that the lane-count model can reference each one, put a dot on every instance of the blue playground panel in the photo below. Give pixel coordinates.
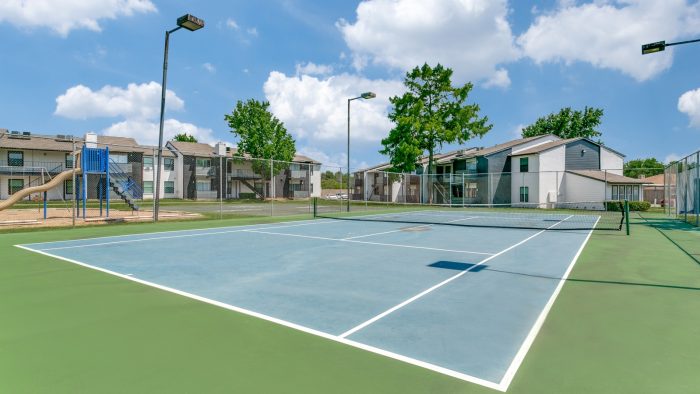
(332, 276)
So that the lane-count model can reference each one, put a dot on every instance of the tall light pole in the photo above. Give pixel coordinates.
(190, 23)
(366, 96)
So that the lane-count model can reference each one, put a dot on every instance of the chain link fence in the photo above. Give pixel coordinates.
(459, 189)
(682, 189)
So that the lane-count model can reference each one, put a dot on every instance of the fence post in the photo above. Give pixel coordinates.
(696, 187)
(685, 193)
(627, 216)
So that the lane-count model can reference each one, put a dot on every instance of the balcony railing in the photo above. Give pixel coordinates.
(300, 174)
(31, 167)
(243, 174)
(205, 171)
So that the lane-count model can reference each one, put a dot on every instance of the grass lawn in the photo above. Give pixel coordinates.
(626, 321)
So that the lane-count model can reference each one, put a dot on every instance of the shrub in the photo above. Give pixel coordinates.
(639, 205)
(247, 196)
(634, 205)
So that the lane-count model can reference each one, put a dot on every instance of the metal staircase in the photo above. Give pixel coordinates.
(124, 185)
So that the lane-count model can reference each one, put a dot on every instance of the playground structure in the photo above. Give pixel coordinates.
(90, 161)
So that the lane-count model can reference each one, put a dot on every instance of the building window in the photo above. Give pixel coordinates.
(524, 164)
(15, 158)
(68, 186)
(635, 193)
(148, 187)
(203, 163)
(169, 187)
(615, 193)
(471, 166)
(524, 194)
(471, 190)
(14, 185)
(147, 162)
(119, 158)
(169, 164)
(69, 160)
(203, 186)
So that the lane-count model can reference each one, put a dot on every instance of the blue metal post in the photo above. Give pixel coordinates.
(45, 194)
(99, 193)
(86, 169)
(106, 168)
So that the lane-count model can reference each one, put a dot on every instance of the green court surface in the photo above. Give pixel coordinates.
(626, 321)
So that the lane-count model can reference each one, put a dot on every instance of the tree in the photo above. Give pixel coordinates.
(262, 136)
(567, 123)
(647, 167)
(431, 112)
(333, 180)
(184, 137)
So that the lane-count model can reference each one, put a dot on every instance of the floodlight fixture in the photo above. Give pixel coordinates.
(190, 22)
(653, 47)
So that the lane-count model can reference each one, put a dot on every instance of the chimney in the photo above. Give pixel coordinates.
(220, 149)
(90, 140)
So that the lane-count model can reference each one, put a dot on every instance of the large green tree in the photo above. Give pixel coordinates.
(567, 123)
(184, 137)
(647, 167)
(430, 113)
(262, 136)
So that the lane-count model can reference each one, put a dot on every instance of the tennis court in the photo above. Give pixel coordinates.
(460, 300)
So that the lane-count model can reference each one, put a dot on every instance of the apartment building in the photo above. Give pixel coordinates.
(200, 169)
(188, 170)
(541, 169)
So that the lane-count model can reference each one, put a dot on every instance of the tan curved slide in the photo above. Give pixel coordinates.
(20, 194)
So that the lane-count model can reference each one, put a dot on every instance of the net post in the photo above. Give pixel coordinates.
(315, 206)
(627, 217)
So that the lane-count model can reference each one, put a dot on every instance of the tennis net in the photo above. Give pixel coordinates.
(608, 215)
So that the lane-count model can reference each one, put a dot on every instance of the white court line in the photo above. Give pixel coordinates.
(520, 356)
(179, 236)
(173, 231)
(366, 242)
(437, 286)
(359, 345)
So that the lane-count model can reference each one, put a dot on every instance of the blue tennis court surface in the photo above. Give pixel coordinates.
(462, 301)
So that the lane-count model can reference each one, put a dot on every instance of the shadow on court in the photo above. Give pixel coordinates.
(684, 236)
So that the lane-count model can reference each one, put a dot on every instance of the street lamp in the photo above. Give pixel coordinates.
(190, 23)
(366, 96)
(661, 45)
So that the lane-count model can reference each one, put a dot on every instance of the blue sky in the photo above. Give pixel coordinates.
(72, 66)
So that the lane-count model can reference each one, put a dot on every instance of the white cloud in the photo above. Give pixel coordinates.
(470, 36)
(332, 162)
(671, 157)
(252, 31)
(499, 79)
(146, 132)
(231, 24)
(608, 34)
(314, 108)
(689, 104)
(314, 69)
(136, 101)
(138, 105)
(209, 67)
(66, 15)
